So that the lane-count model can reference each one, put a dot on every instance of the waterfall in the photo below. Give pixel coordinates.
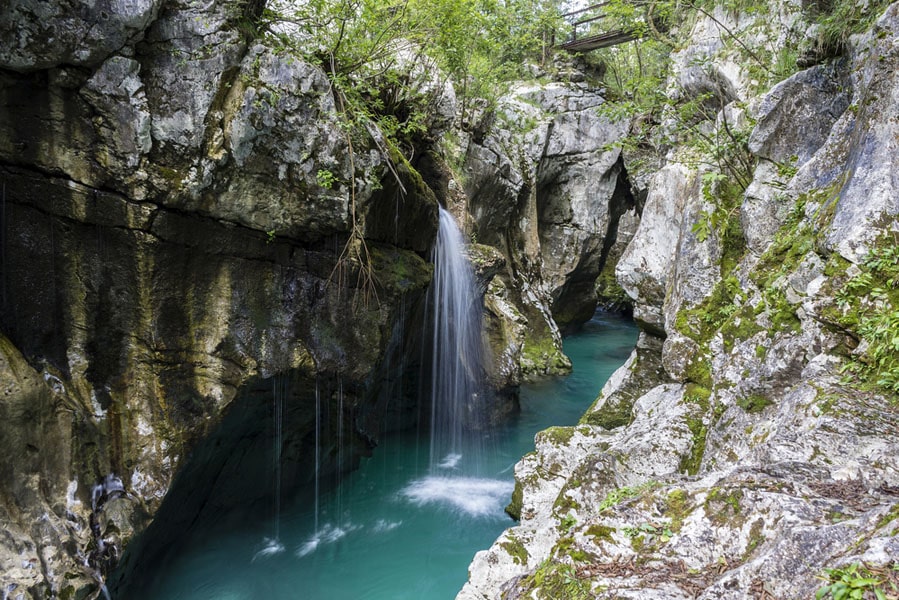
(456, 352)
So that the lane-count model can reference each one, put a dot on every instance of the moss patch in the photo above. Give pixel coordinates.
(698, 397)
(516, 550)
(553, 580)
(600, 532)
(398, 270)
(513, 509)
(614, 412)
(557, 436)
(722, 506)
(676, 508)
(754, 403)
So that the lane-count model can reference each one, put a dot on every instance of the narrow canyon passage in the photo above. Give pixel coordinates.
(395, 528)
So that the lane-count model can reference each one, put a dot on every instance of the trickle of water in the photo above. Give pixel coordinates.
(339, 440)
(318, 427)
(279, 392)
(457, 350)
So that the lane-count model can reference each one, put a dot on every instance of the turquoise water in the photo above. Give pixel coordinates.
(396, 528)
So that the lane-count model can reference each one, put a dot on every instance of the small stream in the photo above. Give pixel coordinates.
(398, 527)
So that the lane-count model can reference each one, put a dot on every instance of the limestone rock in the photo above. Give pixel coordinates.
(646, 264)
(547, 188)
(41, 35)
(814, 98)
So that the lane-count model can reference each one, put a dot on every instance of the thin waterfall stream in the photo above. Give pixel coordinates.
(408, 521)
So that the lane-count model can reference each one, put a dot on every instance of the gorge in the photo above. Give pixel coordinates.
(216, 232)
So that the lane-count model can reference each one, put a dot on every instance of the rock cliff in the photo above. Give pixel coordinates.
(547, 187)
(186, 235)
(749, 443)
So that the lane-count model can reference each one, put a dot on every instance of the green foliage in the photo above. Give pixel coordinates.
(859, 581)
(557, 580)
(839, 19)
(868, 306)
(621, 494)
(325, 178)
(663, 532)
(568, 521)
(376, 51)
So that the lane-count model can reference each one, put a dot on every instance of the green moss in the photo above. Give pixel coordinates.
(514, 507)
(888, 518)
(566, 547)
(516, 550)
(722, 506)
(754, 403)
(601, 532)
(609, 292)
(699, 397)
(553, 580)
(399, 270)
(676, 508)
(621, 494)
(557, 436)
(615, 413)
(867, 305)
(539, 354)
(704, 320)
(740, 327)
(699, 370)
(755, 538)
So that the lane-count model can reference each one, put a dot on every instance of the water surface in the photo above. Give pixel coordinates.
(397, 528)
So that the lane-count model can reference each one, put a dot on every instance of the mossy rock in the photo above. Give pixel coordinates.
(614, 412)
(513, 509)
(515, 549)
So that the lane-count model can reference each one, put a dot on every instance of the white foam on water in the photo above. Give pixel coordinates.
(270, 547)
(383, 525)
(450, 461)
(470, 495)
(328, 535)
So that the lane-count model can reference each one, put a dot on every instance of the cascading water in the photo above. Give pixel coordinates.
(457, 393)
(457, 351)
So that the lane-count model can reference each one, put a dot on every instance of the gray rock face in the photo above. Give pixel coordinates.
(174, 218)
(42, 35)
(646, 264)
(774, 467)
(546, 188)
(815, 98)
